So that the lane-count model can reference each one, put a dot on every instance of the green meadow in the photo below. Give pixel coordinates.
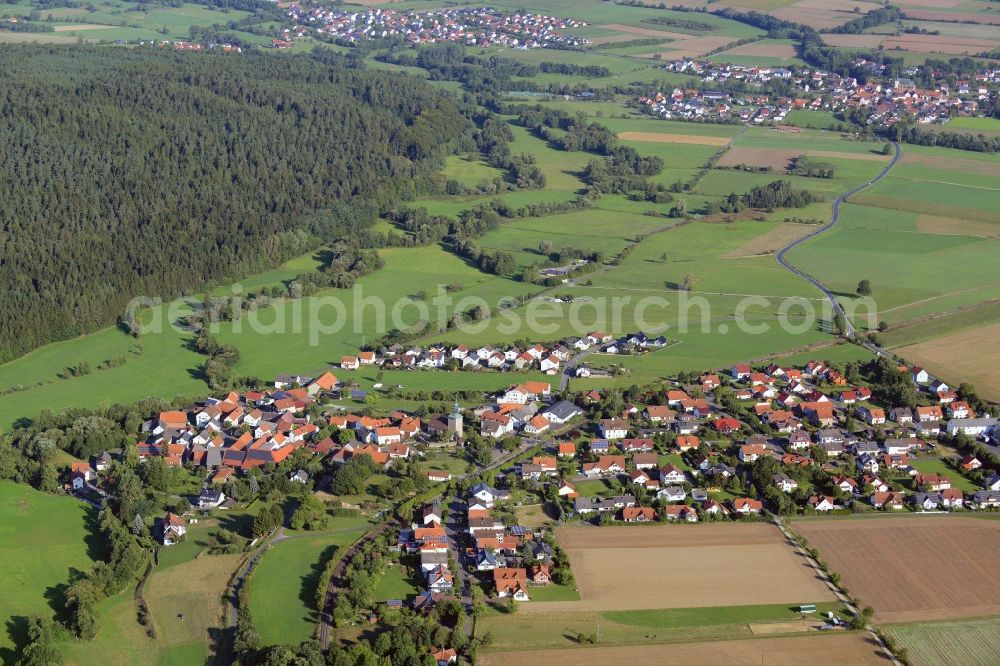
(283, 586)
(44, 539)
(909, 234)
(592, 230)
(116, 19)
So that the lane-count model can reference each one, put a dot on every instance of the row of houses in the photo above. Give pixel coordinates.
(546, 358)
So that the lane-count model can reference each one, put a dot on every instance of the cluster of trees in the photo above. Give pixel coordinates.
(311, 514)
(270, 517)
(686, 24)
(344, 263)
(125, 543)
(26, 26)
(154, 169)
(876, 17)
(218, 369)
(891, 384)
(351, 478)
(622, 170)
(27, 453)
(777, 194)
(569, 69)
(496, 263)
(803, 166)
(449, 61)
(630, 43)
(357, 591)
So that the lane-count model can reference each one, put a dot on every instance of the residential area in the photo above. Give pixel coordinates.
(473, 26)
(728, 93)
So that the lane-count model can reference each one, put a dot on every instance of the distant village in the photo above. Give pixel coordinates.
(473, 26)
(885, 102)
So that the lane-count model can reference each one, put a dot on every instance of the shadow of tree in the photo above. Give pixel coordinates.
(17, 631)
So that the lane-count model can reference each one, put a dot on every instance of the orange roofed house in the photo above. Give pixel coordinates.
(512, 582)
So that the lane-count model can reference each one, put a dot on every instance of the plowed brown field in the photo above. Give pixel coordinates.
(912, 569)
(658, 566)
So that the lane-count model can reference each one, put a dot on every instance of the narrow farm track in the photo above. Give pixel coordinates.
(830, 296)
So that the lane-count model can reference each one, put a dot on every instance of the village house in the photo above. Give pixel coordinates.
(638, 514)
(613, 428)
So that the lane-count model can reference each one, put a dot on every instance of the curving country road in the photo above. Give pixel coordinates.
(780, 256)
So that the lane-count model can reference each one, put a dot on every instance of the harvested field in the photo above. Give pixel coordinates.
(657, 137)
(778, 159)
(940, 44)
(625, 568)
(952, 16)
(820, 650)
(611, 39)
(645, 32)
(78, 26)
(818, 17)
(936, 224)
(699, 46)
(942, 164)
(912, 569)
(770, 628)
(932, 3)
(854, 41)
(836, 154)
(948, 357)
(928, 207)
(772, 50)
(772, 241)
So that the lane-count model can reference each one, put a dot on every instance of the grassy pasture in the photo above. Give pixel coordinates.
(811, 119)
(43, 538)
(984, 125)
(591, 229)
(670, 625)
(395, 584)
(937, 466)
(120, 639)
(120, 20)
(407, 271)
(903, 265)
(470, 172)
(283, 585)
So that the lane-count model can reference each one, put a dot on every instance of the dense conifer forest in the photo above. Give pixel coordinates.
(129, 172)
